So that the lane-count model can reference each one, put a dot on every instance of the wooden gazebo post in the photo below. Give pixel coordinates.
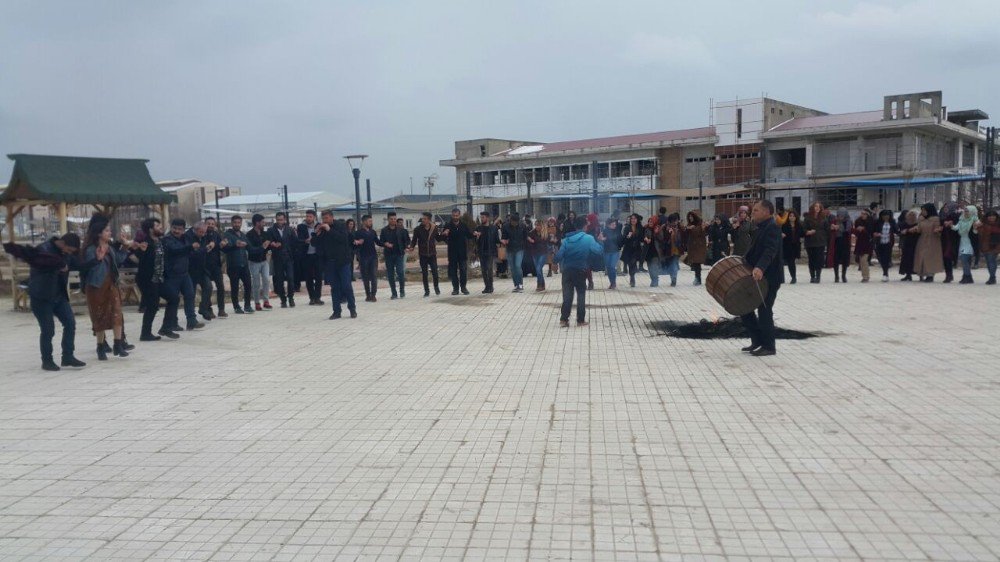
(62, 218)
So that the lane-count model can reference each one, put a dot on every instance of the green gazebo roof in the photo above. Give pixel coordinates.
(78, 180)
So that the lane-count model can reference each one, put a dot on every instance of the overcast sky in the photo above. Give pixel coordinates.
(259, 94)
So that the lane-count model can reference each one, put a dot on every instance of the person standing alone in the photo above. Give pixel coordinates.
(764, 255)
(574, 258)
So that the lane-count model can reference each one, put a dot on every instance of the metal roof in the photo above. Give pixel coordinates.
(82, 180)
(857, 118)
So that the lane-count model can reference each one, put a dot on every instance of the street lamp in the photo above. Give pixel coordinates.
(217, 190)
(355, 161)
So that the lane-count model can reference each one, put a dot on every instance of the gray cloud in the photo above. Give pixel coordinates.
(258, 94)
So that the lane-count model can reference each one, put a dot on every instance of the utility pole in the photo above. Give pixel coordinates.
(990, 169)
(368, 189)
(468, 193)
(284, 198)
(593, 181)
(528, 180)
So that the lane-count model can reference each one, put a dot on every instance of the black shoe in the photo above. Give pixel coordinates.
(238, 310)
(126, 345)
(101, 354)
(394, 297)
(49, 365)
(105, 347)
(72, 362)
(749, 348)
(793, 281)
(248, 309)
(222, 314)
(320, 301)
(354, 314)
(992, 281)
(119, 349)
(465, 291)
(427, 294)
(291, 302)
(284, 304)
(194, 326)
(455, 292)
(763, 352)
(335, 316)
(168, 334)
(149, 337)
(437, 290)
(402, 294)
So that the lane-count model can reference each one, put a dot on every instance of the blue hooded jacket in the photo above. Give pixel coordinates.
(576, 250)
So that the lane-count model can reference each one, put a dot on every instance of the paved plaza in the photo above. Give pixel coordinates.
(474, 427)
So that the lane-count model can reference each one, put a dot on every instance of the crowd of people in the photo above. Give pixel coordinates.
(174, 260)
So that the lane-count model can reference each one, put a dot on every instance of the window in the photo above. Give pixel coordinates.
(540, 174)
(477, 178)
(409, 224)
(788, 158)
(603, 170)
(779, 203)
(562, 173)
(647, 167)
(482, 151)
(621, 169)
(797, 205)
(580, 171)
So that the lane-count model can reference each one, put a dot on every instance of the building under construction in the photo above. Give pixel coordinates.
(910, 151)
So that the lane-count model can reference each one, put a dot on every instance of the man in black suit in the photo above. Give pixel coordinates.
(764, 256)
(283, 246)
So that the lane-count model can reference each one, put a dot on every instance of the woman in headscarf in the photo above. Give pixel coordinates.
(652, 254)
(907, 244)
(742, 231)
(949, 216)
(989, 243)
(791, 241)
(100, 278)
(863, 228)
(696, 243)
(839, 256)
(817, 226)
(965, 228)
(632, 246)
(928, 261)
(718, 238)
(884, 236)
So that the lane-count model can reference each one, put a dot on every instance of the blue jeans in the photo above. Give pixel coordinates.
(341, 289)
(966, 265)
(611, 266)
(670, 267)
(654, 271)
(991, 264)
(395, 270)
(44, 312)
(516, 261)
(539, 262)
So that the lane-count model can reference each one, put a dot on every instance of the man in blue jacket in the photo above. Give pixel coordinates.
(177, 251)
(574, 257)
(764, 256)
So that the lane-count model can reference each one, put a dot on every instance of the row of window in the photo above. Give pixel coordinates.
(622, 169)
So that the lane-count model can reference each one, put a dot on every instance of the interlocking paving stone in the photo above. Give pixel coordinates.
(474, 427)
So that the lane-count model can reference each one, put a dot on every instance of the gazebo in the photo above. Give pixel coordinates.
(65, 181)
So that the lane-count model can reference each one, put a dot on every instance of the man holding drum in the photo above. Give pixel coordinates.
(764, 256)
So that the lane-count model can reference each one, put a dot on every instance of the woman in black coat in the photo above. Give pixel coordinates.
(632, 235)
(718, 238)
(791, 242)
(907, 244)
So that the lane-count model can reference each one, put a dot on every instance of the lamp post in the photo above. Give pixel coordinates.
(368, 189)
(217, 190)
(355, 161)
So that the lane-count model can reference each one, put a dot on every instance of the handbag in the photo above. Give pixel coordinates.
(595, 262)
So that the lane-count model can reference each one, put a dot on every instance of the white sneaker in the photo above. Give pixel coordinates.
(885, 278)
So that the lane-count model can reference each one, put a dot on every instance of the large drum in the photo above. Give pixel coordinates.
(731, 284)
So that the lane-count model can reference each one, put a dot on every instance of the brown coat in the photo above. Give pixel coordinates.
(986, 233)
(928, 259)
(697, 247)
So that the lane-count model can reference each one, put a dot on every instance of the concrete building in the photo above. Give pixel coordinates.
(193, 195)
(751, 146)
(911, 151)
(268, 204)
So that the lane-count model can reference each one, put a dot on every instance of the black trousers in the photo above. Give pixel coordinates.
(150, 306)
(431, 263)
(369, 275)
(487, 264)
(238, 274)
(884, 252)
(199, 279)
(173, 289)
(760, 325)
(283, 278)
(792, 268)
(46, 312)
(458, 272)
(574, 281)
(817, 259)
(214, 275)
(631, 266)
(312, 276)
